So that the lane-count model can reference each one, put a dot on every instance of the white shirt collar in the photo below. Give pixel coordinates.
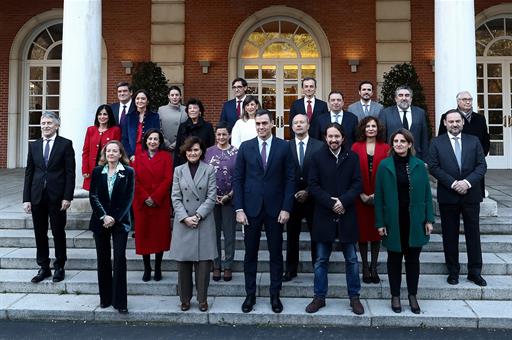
(119, 167)
(305, 140)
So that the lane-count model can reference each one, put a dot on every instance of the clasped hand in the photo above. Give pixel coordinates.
(461, 187)
(338, 207)
(191, 221)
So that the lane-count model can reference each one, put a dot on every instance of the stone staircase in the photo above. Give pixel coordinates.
(443, 305)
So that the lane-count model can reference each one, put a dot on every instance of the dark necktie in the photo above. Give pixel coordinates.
(123, 115)
(46, 154)
(309, 110)
(264, 155)
(405, 123)
(238, 108)
(366, 111)
(301, 153)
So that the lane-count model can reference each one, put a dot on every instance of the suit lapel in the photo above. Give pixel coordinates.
(56, 145)
(293, 148)
(201, 170)
(308, 153)
(270, 155)
(448, 146)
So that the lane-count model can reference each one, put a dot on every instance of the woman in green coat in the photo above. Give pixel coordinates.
(403, 214)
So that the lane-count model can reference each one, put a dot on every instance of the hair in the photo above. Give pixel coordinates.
(124, 157)
(52, 115)
(338, 127)
(242, 80)
(301, 114)
(403, 87)
(248, 99)
(194, 101)
(189, 143)
(174, 87)
(361, 129)
(146, 136)
(461, 92)
(365, 82)
(111, 119)
(122, 84)
(141, 91)
(408, 137)
(335, 92)
(452, 111)
(222, 125)
(307, 78)
(263, 112)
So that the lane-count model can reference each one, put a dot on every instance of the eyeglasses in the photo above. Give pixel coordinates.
(466, 99)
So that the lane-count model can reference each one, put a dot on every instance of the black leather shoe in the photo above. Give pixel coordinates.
(250, 301)
(275, 302)
(478, 280)
(42, 274)
(158, 275)
(123, 310)
(453, 279)
(288, 276)
(147, 275)
(105, 305)
(58, 274)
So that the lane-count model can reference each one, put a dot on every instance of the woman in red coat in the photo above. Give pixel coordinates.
(103, 131)
(371, 148)
(152, 203)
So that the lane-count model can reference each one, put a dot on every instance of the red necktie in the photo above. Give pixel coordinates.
(238, 108)
(309, 110)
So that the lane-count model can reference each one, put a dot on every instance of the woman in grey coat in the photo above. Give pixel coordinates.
(194, 239)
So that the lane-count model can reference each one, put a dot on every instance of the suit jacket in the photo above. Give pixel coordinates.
(319, 109)
(201, 129)
(357, 109)
(256, 188)
(130, 126)
(443, 166)
(349, 124)
(58, 177)
(228, 113)
(390, 119)
(340, 178)
(118, 206)
(302, 174)
(476, 127)
(115, 110)
(190, 196)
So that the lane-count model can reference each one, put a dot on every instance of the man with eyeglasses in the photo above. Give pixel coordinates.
(233, 109)
(474, 124)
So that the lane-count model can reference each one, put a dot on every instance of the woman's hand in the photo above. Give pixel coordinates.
(86, 175)
(132, 158)
(149, 202)
(382, 231)
(428, 228)
(191, 221)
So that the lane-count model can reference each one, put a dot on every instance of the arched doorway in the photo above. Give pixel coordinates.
(494, 86)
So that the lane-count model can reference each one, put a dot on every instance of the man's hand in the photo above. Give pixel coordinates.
(382, 231)
(108, 221)
(461, 187)
(428, 228)
(338, 206)
(27, 207)
(301, 196)
(284, 216)
(242, 218)
(65, 205)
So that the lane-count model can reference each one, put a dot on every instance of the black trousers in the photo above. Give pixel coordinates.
(450, 224)
(412, 270)
(293, 229)
(40, 214)
(112, 288)
(252, 235)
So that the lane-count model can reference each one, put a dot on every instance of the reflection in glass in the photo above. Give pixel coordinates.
(52, 87)
(34, 132)
(496, 149)
(52, 103)
(496, 132)
(252, 89)
(269, 102)
(36, 53)
(290, 89)
(494, 70)
(288, 100)
(35, 88)
(268, 72)
(43, 40)
(480, 70)
(268, 89)
(34, 117)
(279, 50)
(249, 51)
(495, 117)
(501, 48)
(494, 86)
(56, 32)
(480, 85)
(35, 103)
(494, 102)
(251, 71)
(497, 27)
(36, 73)
(55, 53)
(291, 72)
(481, 101)
(53, 73)
(308, 71)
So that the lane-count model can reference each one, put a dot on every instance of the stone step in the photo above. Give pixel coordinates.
(431, 287)
(20, 238)
(80, 259)
(226, 310)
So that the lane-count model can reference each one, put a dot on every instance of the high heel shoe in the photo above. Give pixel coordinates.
(367, 276)
(413, 302)
(147, 275)
(395, 304)
(374, 275)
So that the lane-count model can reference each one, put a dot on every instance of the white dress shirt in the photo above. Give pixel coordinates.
(306, 104)
(52, 140)
(121, 106)
(452, 142)
(297, 145)
(269, 143)
(340, 117)
(408, 114)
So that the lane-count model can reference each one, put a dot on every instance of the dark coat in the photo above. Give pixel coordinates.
(319, 110)
(386, 203)
(341, 179)
(302, 174)
(59, 174)
(115, 110)
(228, 113)
(201, 129)
(349, 124)
(130, 126)
(476, 127)
(118, 206)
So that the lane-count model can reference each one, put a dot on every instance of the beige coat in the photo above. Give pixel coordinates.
(190, 196)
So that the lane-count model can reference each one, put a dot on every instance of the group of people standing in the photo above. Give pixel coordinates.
(356, 178)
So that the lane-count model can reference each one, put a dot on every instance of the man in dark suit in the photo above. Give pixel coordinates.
(335, 184)
(125, 105)
(336, 115)
(302, 148)
(410, 117)
(457, 161)
(47, 193)
(365, 106)
(263, 184)
(309, 105)
(232, 109)
(474, 124)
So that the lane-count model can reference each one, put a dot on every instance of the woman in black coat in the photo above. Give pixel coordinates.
(111, 196)
(195, 125)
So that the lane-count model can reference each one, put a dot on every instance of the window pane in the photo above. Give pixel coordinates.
(480, 49)
(480, 101)
(251, 71)
(287, 29)
(35, 88)
(268, 89)
(497, 27)
(501, 48)
(483, 36)
(249, 51)
(480, 70)
(53, 87)
(53, 73)
(496, 149)
(494, 86)
(56, 32)
(307, 46)
(34, 132)
(480, 85)
(288, 100)
(495, 117)
(268, 72)
(496, 132)
(43, 39)
(34, 117)
(290, 89)
(252, 89)
(494, 102)
(269, 102)
(494, 70)
(36, 73)
(279, 50)
(257, 38)
(271, 27)
(35, 52)
(35, 103)
(291, 72)
(308, 71)
(52, 103)
(55, 53)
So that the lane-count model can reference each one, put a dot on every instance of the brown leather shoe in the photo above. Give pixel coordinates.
(315, 305)
(357, 306)
(203, 306)
(228, 275)
(216, 274)
(185, 306)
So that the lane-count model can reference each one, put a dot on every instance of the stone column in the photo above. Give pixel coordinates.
(455, 60)
(80, 91)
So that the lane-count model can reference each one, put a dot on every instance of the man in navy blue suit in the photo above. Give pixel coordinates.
(346, 119)
(309, 105)
(125, 105)
(264, 185)
(232, 109)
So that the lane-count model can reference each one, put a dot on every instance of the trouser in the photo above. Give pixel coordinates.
(225, 222)
(293, 229)
(202, 278)
(412, 270)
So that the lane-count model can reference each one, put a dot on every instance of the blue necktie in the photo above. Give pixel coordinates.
(46, 154)
(458, 152)
(264, 155)
(301, 153)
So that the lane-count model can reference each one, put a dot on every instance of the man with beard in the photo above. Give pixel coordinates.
(335, 184)
(365, 106)
(409, 117)
(457, 161)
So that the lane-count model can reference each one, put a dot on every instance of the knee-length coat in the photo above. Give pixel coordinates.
(152, 224)
(190, 196)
